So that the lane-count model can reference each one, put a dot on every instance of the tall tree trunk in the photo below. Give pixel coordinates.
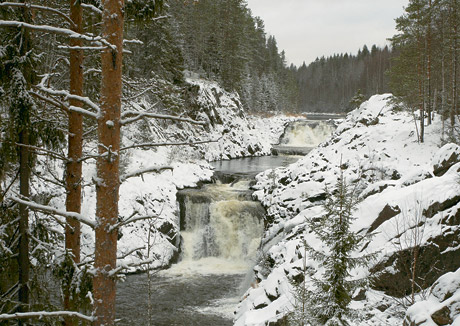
(108, 128)
(428, 63)
(454, 22)
(24, 180)
(75, 144)
(421, 105)
(23, 255)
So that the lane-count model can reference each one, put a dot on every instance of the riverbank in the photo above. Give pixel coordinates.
(401, 190)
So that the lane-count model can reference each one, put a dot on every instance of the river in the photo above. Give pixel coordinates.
(221, 228)
(205, 290)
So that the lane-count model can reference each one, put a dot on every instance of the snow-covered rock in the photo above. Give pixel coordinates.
(376, 147)
(442, 307)
(447, 156)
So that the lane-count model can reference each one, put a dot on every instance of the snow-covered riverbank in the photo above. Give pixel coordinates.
(376, 148)
(154, 193)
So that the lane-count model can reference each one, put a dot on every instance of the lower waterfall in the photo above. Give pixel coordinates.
(220, 224)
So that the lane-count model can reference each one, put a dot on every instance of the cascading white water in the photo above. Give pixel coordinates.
(306, 133)
(222, 226)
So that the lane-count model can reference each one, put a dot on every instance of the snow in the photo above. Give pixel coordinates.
(379, 154)
(151, 177)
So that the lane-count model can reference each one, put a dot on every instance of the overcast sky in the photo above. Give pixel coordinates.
(307, 29)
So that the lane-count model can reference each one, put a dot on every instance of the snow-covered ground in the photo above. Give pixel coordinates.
(376, 147)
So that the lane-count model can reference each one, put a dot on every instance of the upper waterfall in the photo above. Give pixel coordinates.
(301, 136)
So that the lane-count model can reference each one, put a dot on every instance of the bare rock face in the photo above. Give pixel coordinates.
(387, 213)
(442, 316)
(441, 254)
(447, 156)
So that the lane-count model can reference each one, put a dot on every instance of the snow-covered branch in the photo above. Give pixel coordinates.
(129, 253)
(189, 143)
(85, 48)
(124, 266)
(133, 219)
(138, 95)
(131, 116)
(43, 8)
(53, 101)
(51, 210)
(45, 151)
(143, 171)
(57, 30)
(68, 96)
(42, 314)
(92, 8)
(134, 41)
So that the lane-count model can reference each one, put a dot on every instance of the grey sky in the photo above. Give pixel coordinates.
(307, 29)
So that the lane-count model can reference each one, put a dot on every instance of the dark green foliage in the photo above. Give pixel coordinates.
(143, 9)
(328, 303)
(221, 40)
(356, 100)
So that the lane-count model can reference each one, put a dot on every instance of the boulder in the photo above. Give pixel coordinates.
(442, 316)
(446, 156)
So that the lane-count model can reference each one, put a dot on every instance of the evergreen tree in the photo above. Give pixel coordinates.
(357, 100)
(328, 303)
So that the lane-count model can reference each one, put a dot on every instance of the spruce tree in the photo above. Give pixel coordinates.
(328, 303)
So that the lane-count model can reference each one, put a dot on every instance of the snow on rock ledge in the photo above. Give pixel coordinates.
(447, 156)
(238, 134)
(442, 307)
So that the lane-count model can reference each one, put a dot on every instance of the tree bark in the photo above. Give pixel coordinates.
(75, 148)
(108, 128)
(24, 184)
(23, 255)
(428, 63)
(453, 109)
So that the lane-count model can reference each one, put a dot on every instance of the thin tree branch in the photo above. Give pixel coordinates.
(141, 113)
(132, 220)
(41, 314)
(69, 96)
(140, 172)
(45, 151)
(190, 143)
(57, 30)
(28, 5)
(52, 210)
(92, 8)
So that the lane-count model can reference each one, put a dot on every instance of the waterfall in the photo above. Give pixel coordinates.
(301, 136)
(220, 221)
(306, 133)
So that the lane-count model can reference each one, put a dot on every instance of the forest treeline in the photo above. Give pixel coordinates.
(223, 41)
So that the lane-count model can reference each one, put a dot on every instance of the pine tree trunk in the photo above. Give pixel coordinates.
(23, 256)
(24, 184)
(108, 165)
(75, 144)
(453, 109)
(428, 108)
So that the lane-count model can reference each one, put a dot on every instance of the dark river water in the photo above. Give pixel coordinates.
(200, 299)
(198, 292)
